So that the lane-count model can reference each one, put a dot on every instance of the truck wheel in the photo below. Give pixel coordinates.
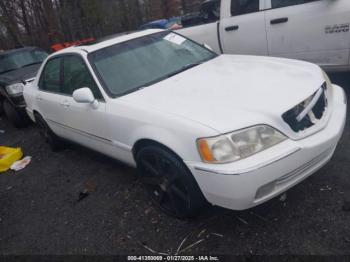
(16, 118)
(168, 181)
(50, 137)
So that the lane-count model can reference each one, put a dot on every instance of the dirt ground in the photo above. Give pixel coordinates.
(40, 212)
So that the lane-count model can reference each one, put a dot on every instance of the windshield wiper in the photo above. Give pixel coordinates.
(182, 69)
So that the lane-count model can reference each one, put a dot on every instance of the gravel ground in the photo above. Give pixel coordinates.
(40, 214)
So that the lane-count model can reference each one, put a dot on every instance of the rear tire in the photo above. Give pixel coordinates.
(55, 142)
(168, 181)
(18, 119)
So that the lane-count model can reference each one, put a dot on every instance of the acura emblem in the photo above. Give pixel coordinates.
(309, 107)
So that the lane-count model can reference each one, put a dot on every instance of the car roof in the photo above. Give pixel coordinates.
(109, 41)
(16, 50)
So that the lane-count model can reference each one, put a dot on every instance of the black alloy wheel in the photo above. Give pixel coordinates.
(169, 183)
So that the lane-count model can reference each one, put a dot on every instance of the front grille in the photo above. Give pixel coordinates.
(18, 100)
(312, 117)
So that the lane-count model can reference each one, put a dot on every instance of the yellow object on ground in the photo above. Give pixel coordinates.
(8, 156)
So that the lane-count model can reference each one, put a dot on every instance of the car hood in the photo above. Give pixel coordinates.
(232, 92)
(19, 75)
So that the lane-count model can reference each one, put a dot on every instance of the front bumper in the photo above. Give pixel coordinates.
(252, 181)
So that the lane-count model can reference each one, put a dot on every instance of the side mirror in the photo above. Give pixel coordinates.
(84, 95)
(208, 47)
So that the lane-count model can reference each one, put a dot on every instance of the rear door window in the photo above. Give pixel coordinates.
(51, 76)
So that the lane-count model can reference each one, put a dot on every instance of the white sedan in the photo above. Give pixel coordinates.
(232, 131)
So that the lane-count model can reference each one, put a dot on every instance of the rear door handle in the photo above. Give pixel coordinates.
(232, 28)
(279, 21)
(38, 98)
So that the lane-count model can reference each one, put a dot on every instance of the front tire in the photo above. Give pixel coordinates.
(168, 181)
(16, 118)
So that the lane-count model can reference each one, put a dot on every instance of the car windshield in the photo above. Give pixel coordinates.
(20, 59)
(135, 64)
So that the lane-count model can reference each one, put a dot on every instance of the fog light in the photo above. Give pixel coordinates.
(265, 190)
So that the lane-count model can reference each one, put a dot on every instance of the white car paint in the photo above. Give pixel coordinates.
(213, 92)
(312, 32)
(222, 95)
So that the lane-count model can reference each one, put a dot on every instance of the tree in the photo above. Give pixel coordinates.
(52, 22)
(44, 22)
(25, 20)
(8, 17)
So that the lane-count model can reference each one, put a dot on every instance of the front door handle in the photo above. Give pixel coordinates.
(38, 98)
(232, 28)
(279, 21)
(65, 104)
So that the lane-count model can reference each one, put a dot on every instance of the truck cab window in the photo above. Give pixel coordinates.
(241, 7)
(209, 11)
(284, 3)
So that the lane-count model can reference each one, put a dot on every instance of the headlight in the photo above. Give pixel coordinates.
(238, 145)
(15, 89)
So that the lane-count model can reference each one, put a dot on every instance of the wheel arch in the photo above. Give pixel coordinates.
(144, 142)
(36, 114)
(180, 142)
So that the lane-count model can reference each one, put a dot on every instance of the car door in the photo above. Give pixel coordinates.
(87, 125)
(242, 27)
(313, 30)
(48, 97)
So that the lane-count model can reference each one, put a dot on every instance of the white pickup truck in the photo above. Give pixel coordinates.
(312, 30)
